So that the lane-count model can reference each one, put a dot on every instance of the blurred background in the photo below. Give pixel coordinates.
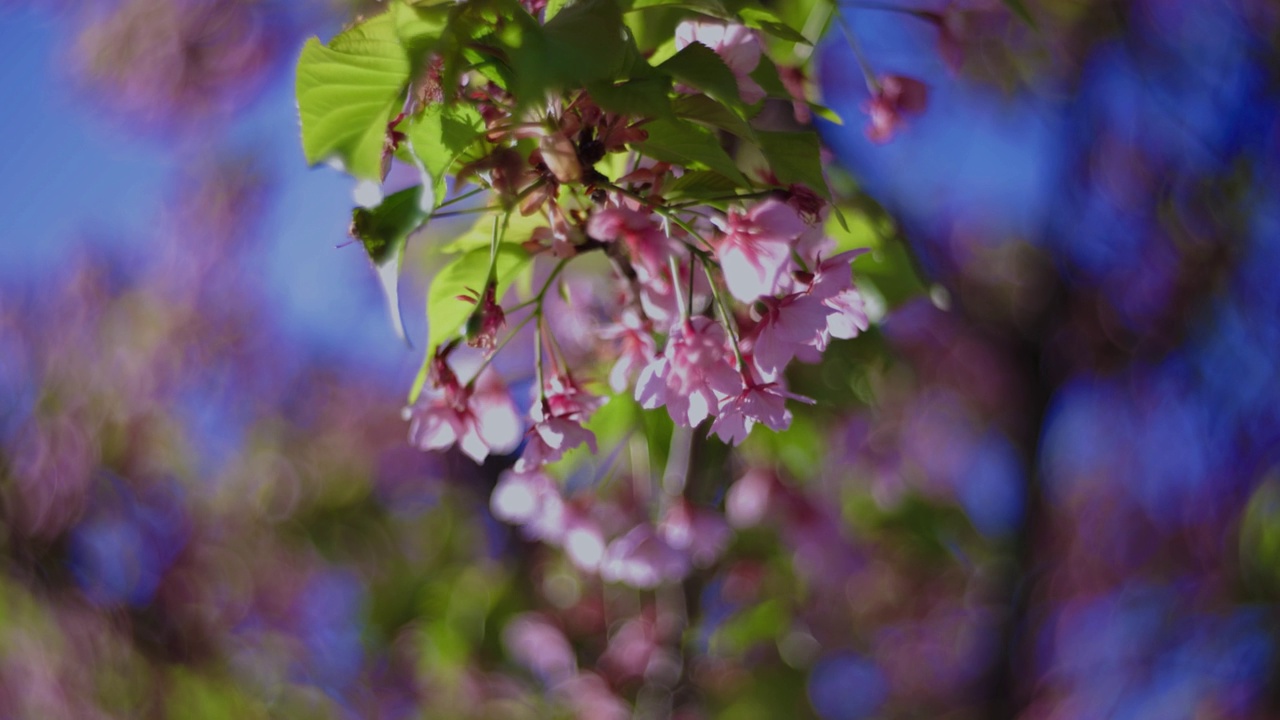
(1046, 484)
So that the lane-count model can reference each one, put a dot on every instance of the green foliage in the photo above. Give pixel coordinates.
(348, 92)
(383, 231)
(684, 143)
(703, 109)
(795, 158)
(441, 135)
(464, 276)
(699, 66)
(1019, 8)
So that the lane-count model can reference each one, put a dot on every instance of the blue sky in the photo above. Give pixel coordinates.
(70, 177)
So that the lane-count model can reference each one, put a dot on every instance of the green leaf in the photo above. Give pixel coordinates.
(699, 185)
(439, 136)
(714, 8)
(519, 229)
(699, 66)
(764, 622)
(766, 20)
(446, 314)
(684, 143)
(766, 75)
(348, 92)
(420, 27)
(644, 97)
(554, 7)
(1019, 8)
(702, 109)
(826, 113)
(383, 231)
(585, 42)
(795, 157)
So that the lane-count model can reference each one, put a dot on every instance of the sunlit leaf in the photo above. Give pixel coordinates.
(766, 75)
(795, 157)
(439, 136)
(383, 231)
(684, 143)
(348, 92)
(446, 314)
(700, 185)
(699, 66)
(702, 109)
(768, 21)
(643, 97)
(519, 229)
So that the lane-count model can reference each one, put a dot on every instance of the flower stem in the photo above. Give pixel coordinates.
(729, 323)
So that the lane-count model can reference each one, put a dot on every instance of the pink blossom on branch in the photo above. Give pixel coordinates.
(895, 97)
(557, 422)
(737, 45)
(790, 326)
(755, 251)
(532, 501)
(833, 285)
(692, 374)
(759, 402)
(648, 245)
(643, 559)
(481, 419)
(636, 348)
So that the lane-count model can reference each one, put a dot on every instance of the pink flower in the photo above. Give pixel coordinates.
(558, 418)
(562, 237)
(643, 560)
(692, 375)
(895, 97)
(583, 542)
(540, 646)
(737, 45)
(532, 501)
(763, 402)
(755, 251)
(789, 327)
(480, 419)
(661, 302)
(591, 698)
(833, 285)
(849, 316)
(636, 348)
(488, 319)
(749, 499)
(703, 535)
(648, 244)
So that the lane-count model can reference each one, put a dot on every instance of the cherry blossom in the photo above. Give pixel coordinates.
(755, 251)
(557, 423)
(642, 559)
(532, 501)
(534, 642)
(636, 348)
(759, 402)
(894, 97)
(583, 542)
(648, 244)
(700, 533)
(692, 374)
(790, 326)
(480, 419)
(833, 285)
(737, 45)
(748, 499)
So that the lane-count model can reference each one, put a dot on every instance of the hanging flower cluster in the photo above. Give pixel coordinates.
(653, 170)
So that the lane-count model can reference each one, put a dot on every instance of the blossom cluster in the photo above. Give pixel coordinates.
(707, 300)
